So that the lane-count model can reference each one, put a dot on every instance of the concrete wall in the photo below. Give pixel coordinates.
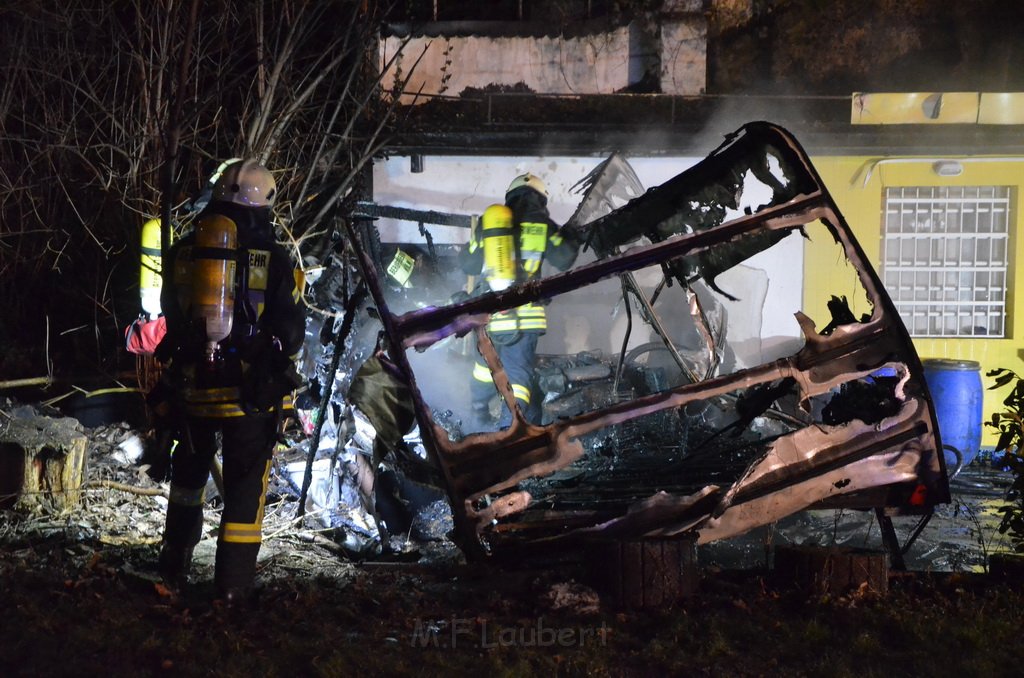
(684, 56)
(589, 65)
(594, 64)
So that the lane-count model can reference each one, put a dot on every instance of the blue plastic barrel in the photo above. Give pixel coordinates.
(956, 392)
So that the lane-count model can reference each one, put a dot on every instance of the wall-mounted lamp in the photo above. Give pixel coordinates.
(416, 163)
(947, 168)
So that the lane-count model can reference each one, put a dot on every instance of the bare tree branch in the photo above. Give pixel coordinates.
(114, 113)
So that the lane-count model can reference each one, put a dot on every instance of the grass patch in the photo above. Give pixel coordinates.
(104, 616)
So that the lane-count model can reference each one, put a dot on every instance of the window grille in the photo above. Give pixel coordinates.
(945, 253)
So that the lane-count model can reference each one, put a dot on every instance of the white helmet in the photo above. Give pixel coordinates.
(530, 181)
(246, 183)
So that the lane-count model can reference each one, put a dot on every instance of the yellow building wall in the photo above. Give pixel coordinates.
(857, 185)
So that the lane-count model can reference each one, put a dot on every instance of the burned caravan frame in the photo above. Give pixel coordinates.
(542, 486)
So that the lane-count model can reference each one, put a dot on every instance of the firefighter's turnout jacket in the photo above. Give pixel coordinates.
(536, 239)
(266, 306)
(531, 238)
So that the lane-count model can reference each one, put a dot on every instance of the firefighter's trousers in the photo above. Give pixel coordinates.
(247, 449)
(518, 353)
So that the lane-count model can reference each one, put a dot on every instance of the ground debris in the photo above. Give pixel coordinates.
(573, 597)
(121, 517)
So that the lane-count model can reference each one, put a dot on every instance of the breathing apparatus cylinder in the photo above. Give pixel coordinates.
(150, 280)
(213, 280)
(498, 241)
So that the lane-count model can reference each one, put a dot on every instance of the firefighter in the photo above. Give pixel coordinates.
(509, 246)
(234, 325)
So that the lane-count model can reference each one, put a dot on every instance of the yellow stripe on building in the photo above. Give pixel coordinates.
(1001, 108)
(914, 108)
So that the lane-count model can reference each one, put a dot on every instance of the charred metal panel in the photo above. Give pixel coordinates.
(690, 448)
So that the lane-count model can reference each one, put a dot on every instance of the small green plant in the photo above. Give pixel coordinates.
(977, 530)
(1010, 424)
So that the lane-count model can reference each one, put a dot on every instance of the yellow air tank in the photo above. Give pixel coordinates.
(213, 279)
(150, 280)
(499, 247)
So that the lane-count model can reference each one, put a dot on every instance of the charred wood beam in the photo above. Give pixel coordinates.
(372, 211)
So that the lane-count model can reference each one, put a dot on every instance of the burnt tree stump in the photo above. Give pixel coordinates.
(42, 463)
(646, 573)
(837, 570)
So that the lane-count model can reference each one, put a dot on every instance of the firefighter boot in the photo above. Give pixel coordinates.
(234, 573)
(174, 565)
(235, 596)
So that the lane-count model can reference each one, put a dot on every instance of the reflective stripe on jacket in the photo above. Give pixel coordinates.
(220, 402)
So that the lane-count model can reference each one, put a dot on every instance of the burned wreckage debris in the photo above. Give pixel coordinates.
(681, 430)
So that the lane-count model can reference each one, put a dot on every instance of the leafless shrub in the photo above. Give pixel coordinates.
(88, 95)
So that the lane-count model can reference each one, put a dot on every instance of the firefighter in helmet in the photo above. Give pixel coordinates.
(234, 324)
(509, 246)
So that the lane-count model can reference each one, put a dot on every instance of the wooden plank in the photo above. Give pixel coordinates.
(646, 573)
(632, 575)
(831, 569)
